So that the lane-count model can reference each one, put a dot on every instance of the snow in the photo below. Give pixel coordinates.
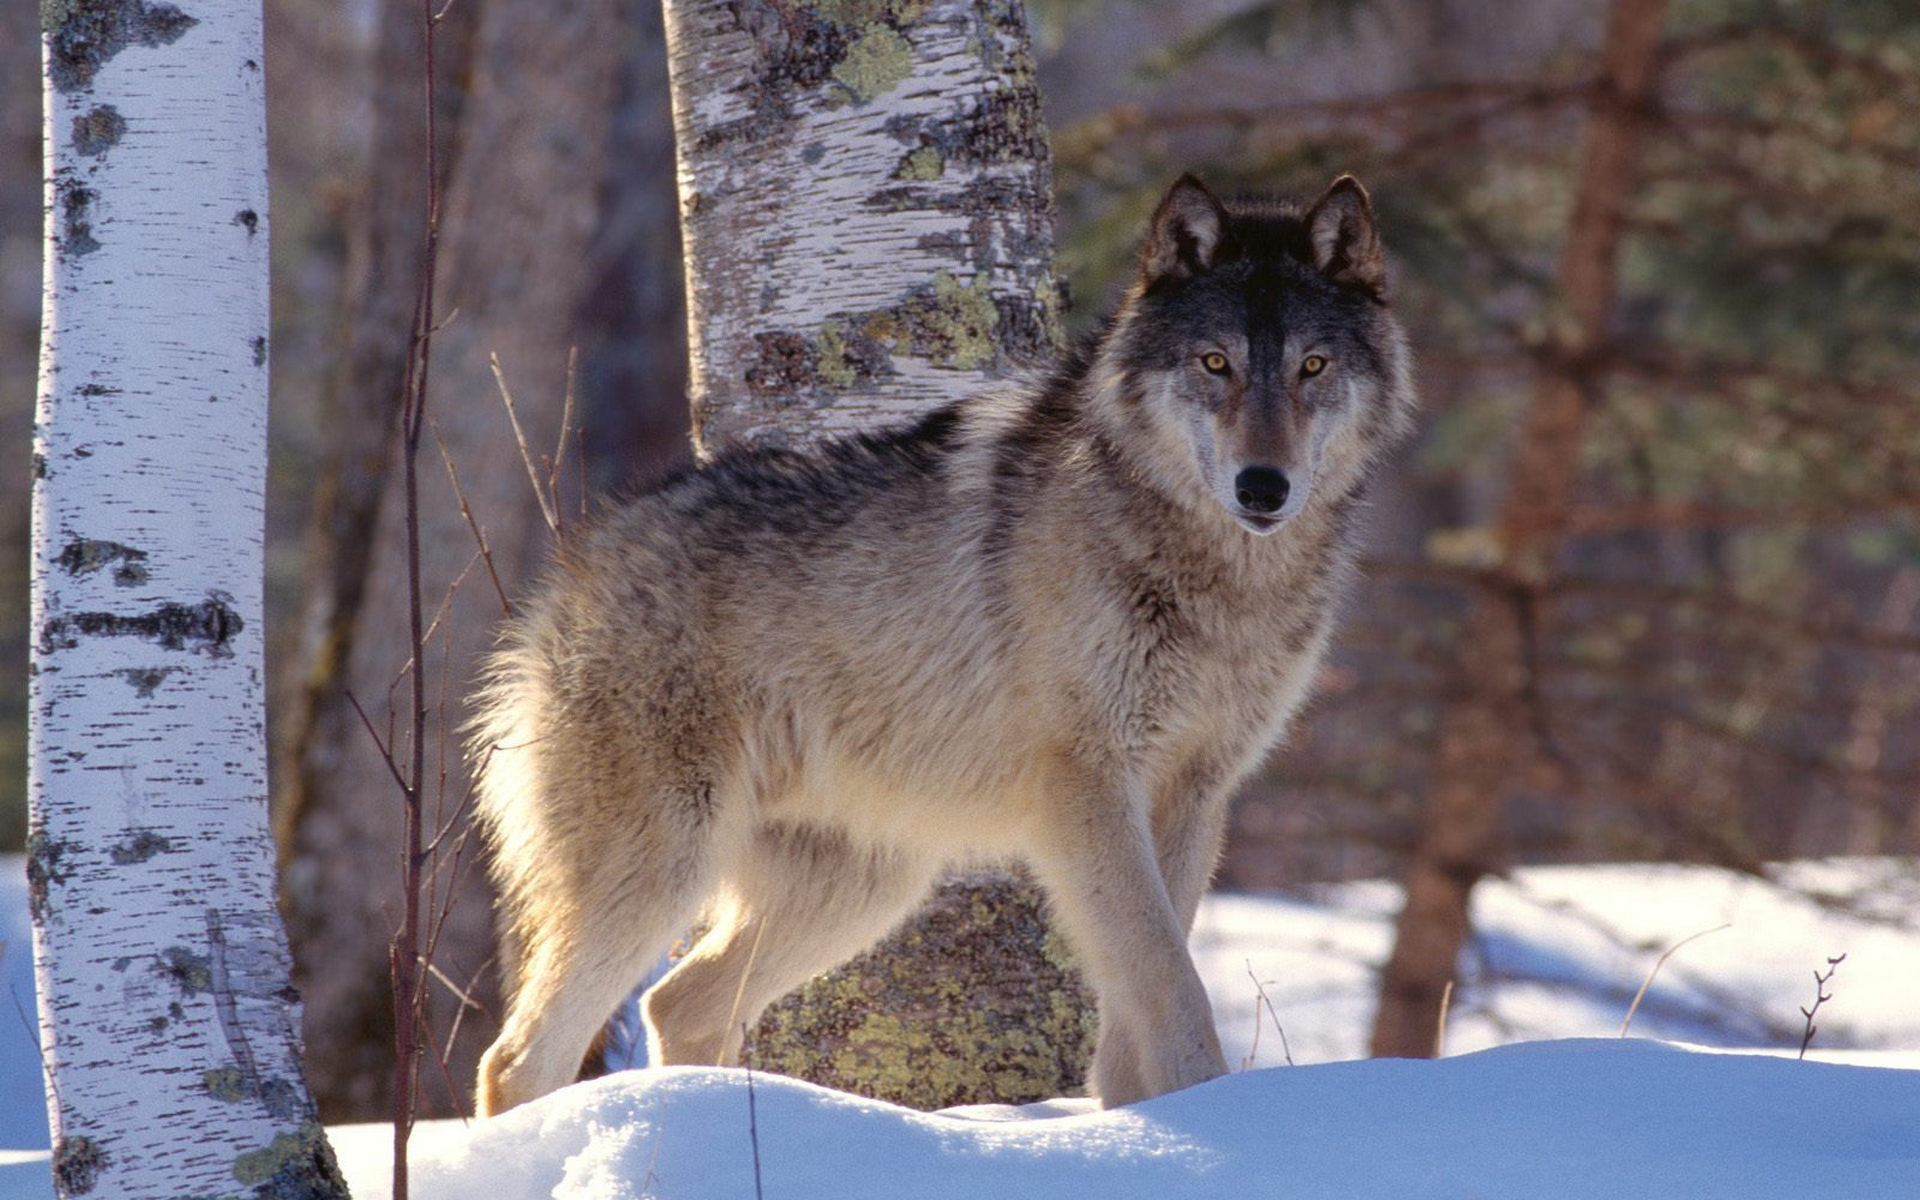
(1569, 1119)
(23, 1105)
(1560, 952)
(1559, 955)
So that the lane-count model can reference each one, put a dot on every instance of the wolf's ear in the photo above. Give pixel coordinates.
(1185, 234)
(1346, 245)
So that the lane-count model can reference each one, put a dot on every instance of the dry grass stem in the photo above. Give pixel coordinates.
(740, 993)
(1261, 998)
(1658, 963)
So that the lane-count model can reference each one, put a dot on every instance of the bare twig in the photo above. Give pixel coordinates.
(1253, 1051)
(1658, 963)
(580, 437)
(459, 1014)
(33, 1039)
(466, 510)
(520, 436)
(453, 819)
(463, 995)
(386, 755)
(566, 427)
(1820, 997)
(442, 1057)
(753, 1118)
(403, 953)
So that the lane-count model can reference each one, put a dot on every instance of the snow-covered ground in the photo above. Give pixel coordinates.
(1540, 1121)
(1560, 953)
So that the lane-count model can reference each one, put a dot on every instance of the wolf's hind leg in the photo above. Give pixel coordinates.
(587, 938)
(806, 900)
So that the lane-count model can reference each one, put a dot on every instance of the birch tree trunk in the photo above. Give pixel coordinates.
(1483, 737)
(866, 203)
(521, 206)
(169, 1031)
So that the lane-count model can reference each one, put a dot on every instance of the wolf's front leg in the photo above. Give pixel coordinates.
(1097, 860)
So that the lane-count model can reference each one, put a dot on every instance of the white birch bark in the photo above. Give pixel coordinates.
(866, 204)
(866, 200)
(166, 1021)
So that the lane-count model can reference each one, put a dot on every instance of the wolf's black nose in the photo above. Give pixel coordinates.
(1260, 489)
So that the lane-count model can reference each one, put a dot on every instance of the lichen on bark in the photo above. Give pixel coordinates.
(98, 129)
(294, 1166)
(83, 34)
(874, 64)
(948, 323)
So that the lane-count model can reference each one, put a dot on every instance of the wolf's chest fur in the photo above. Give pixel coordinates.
(1187, 645)
(972, 602)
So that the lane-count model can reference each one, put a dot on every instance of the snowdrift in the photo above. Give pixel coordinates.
(1563, 1120)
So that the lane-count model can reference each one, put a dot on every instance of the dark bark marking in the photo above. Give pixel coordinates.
(1004, 126)
(76, 215)
(145, 679)
(260, 351)
(248, 219)
(43, 871)
(83, 34)
(784, 366)
(142, 846)
(84, 556)
(191, 973)
(99, 128)
(77, 1163)
(209, 625)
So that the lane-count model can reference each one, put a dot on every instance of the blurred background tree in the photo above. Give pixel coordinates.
(1709, 655)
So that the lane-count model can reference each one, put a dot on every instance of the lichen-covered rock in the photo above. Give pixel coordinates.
(940, 1013)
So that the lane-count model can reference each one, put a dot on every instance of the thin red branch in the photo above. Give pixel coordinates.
(404, 953)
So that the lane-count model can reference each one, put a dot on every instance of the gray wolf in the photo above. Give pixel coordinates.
(784, 691)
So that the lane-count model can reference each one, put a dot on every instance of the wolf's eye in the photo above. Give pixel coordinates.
(1216, 362)
(1312, 365)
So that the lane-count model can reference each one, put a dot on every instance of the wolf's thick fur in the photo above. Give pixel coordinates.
(785, 690)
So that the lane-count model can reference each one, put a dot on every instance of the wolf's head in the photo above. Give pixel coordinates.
(1258, 337)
